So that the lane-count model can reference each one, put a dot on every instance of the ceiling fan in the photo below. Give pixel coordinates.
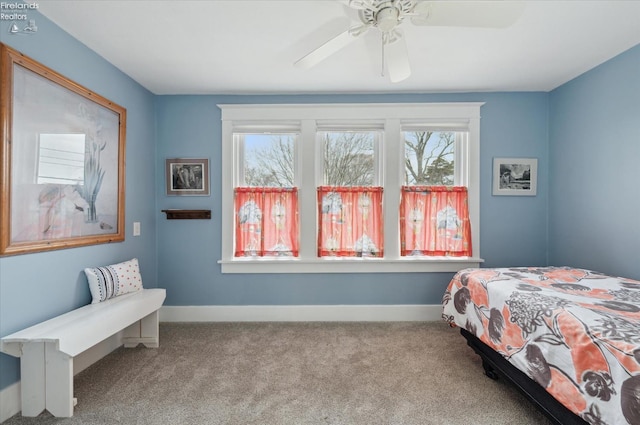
(387, 16)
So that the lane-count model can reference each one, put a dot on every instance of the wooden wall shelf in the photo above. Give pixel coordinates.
(188, 214)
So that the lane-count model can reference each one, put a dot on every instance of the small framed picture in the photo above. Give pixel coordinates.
(186, 176)
(515, 176)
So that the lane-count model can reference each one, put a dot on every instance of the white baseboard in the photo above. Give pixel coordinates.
(302, 313)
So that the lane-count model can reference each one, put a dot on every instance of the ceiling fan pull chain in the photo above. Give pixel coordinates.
(382, 43)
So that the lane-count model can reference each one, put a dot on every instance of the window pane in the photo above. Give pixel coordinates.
(269, 160)
(429, 158)
(349, 158)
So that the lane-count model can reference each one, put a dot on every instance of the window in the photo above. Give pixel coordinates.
(267, 160)
(350, 198)
(350, 158)
(429, 157)
(265, 195)
(344, 177)
(434, 213)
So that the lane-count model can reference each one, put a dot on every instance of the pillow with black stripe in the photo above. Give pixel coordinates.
(113, 280)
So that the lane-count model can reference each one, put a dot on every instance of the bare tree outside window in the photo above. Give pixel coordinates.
(269, 160)
(348, 158)
(429, 158)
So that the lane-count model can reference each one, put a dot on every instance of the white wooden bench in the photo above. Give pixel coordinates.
(46, 350)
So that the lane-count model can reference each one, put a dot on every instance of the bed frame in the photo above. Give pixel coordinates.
(496, 366)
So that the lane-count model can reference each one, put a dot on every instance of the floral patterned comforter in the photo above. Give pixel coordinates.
(575, 332)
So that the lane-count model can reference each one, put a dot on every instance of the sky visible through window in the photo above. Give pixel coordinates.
(429, 157)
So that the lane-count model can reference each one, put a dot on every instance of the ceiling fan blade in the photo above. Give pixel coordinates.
(481, 14)
(361, 4)
(396, 56)
(330, 47)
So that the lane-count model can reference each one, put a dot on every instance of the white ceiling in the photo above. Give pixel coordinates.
(249, 46)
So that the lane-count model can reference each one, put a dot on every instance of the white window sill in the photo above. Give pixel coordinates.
(348, 265)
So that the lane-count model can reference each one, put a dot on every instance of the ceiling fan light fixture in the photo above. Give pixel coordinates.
(387, 18)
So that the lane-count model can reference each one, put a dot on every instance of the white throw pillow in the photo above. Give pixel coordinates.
(113, 280)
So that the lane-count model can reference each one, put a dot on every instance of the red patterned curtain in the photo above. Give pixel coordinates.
(434, 220)
(350, 221)
(266, 221)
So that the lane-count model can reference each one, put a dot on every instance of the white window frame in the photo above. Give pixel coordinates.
(307, 119)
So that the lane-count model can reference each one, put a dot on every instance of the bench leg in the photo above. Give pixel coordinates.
(145, 331)
(32, 379)
(59, 382)
(149, 330)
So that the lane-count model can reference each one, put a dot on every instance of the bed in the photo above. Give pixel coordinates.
(568, 338)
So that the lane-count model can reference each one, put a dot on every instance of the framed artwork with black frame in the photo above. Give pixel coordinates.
(187, 176)
(515, 176)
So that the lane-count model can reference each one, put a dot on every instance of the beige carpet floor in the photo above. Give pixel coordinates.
(296, 373)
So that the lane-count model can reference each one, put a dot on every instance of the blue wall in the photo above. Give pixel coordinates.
(35, 287)
(513, 229)
(181, 256)
(594, 153)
